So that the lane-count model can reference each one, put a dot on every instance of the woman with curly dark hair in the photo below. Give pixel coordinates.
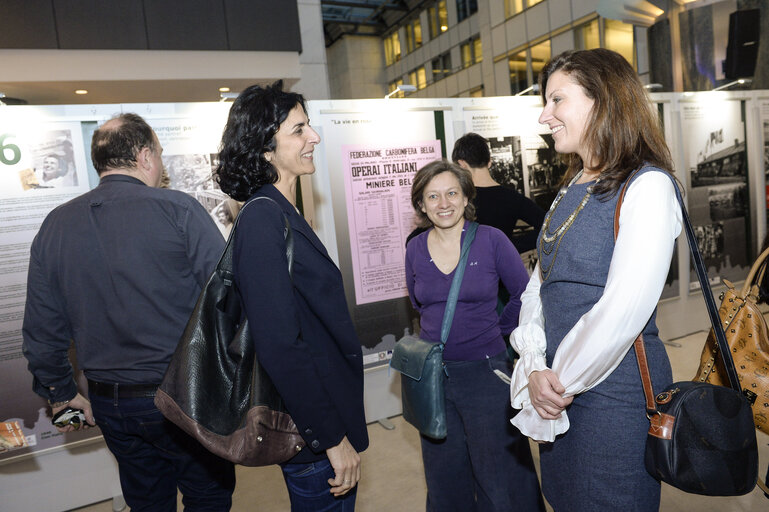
(299, 321)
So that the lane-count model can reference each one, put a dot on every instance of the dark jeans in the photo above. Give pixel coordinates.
(484, 464)
(155, 457)
(309, 490)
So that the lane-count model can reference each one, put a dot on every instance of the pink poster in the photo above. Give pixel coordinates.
(379, 213)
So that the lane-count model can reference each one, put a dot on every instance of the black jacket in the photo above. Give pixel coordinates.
(301, 326)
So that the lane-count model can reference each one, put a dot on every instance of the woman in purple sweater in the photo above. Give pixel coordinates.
(483, 464)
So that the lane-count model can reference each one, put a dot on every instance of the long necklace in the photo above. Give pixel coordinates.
(550, 241)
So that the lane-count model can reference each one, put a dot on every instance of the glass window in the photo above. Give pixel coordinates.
(388, 49)
(421, 82)
(413, 35)
(477, 93)
(466, 50)
(438, 18)
(443, 16)
(529, 3)
(441, 66)
(417, 27)
(540, 54)
(518, 79)
(392, 49)
(513, 7)
(466, 8)
(409, 40)
(432, 17)
(471, 52)
(586, 37)
(413, 78)
(618, 36)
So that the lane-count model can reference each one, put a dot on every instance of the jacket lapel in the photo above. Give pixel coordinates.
(298, 223)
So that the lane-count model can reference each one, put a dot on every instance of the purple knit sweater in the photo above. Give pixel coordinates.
(477, 330)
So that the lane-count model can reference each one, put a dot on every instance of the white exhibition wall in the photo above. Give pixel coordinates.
(357, 201)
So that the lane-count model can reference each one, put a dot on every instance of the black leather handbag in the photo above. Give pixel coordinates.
(701, 436)
(420, 362)
(215, 389)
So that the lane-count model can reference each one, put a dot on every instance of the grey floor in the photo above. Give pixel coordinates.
(392, 468)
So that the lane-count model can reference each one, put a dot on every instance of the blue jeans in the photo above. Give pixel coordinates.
(484, 464)
(309, 490)
(155, 457)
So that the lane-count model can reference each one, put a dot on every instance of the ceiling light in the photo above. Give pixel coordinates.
(224, 89)
(81, 91)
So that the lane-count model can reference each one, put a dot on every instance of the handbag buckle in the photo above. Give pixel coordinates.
(665, 396)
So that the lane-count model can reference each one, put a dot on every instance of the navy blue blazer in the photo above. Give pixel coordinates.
(301, 327)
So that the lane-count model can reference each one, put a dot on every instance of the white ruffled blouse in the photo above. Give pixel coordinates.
(650, 221)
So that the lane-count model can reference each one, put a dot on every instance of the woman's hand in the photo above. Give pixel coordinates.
(346, 463)
(545, 392)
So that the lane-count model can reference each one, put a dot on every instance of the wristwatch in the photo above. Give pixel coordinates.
(54, 405)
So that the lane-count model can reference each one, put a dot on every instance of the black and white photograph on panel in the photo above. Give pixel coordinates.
(506, 166)
(546, 169)
(54, 160)
(189, 172)
(718, 198)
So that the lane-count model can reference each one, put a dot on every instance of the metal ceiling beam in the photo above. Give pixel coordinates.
(352, 21)
(364, 5)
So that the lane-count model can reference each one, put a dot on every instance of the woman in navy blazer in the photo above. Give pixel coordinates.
(300, 323)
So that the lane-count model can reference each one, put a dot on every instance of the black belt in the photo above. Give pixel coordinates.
(122, 390)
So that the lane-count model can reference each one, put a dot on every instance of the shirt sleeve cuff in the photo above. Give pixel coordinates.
(66, 391)
(529, 361)
(532, 425)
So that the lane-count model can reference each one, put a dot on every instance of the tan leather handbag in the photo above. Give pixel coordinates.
(748, 339)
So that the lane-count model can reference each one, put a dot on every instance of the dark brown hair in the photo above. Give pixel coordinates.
(423, 177)
(623, 131)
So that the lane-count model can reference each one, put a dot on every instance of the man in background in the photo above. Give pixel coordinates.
(496, 205)
(118, 270)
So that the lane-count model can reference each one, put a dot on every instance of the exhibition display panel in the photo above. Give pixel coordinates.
(358, 201)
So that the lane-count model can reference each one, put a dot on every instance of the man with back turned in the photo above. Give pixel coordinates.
(118, 270)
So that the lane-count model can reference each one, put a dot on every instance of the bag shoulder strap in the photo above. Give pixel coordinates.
(451, 302)
(756, 274)
(702, 275)
(224, 267)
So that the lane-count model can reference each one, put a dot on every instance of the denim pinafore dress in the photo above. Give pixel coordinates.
(598, 464)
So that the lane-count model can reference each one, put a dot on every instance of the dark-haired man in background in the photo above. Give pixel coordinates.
(495, 205)
(118, 270)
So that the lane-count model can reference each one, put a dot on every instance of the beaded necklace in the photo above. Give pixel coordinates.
(550, 241)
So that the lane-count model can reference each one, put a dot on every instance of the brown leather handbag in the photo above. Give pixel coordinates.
(748, 338)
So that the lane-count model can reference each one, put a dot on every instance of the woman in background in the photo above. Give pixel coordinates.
(577, 381)
(483, 464)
